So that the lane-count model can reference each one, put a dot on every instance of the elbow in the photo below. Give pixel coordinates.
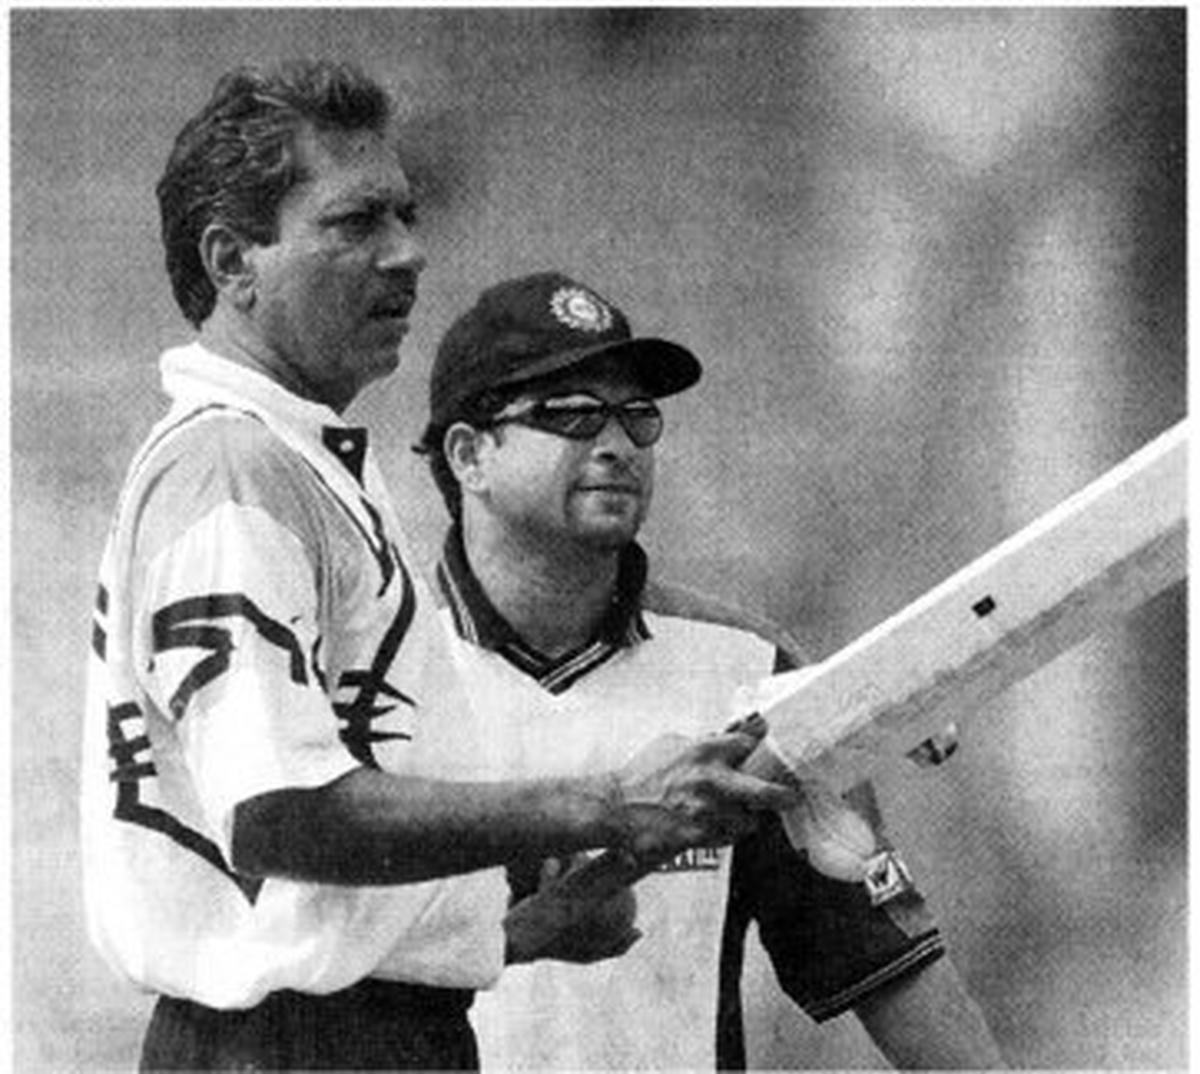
(332, 834)
(259, 841)
(286, 834)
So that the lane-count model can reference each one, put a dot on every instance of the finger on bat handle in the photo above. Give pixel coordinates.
(767, 763)
(754, 724)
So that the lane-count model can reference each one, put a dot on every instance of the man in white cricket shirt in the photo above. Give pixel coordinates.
(544, 416)
(293, 828)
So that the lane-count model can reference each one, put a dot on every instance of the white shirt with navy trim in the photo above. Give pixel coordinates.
(655, 1006)
(666, 662)
(258, 627)
(588, 711)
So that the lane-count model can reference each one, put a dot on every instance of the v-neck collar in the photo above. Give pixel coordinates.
(477, 620)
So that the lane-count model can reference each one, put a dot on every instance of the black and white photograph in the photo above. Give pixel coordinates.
(598, 538)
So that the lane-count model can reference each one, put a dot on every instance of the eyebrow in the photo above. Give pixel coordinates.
(374, 201)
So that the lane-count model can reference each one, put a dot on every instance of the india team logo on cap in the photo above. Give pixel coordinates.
(580, 309)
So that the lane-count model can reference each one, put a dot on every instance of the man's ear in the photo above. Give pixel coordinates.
(461, 446)
(228, 259)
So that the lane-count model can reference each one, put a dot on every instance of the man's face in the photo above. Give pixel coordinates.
(334, 292)
(594, 492)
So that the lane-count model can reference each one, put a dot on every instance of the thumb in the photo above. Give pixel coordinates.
(732, 747)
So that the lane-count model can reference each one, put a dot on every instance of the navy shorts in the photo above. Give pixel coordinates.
(373, 1025)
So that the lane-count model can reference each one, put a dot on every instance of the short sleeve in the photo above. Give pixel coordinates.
(829, 946)
(227, 641)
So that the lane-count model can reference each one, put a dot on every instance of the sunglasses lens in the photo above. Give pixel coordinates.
(643, 425)
(576, 422)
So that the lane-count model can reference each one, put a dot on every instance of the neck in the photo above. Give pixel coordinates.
(555, 598)
(232, 337)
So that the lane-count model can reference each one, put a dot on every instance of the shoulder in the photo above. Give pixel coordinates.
(220, 440)
(672, 601)
(214, 458)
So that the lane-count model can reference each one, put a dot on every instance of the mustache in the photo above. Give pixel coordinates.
(397, 300)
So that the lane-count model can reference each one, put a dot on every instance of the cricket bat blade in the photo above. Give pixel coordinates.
(1098, 555)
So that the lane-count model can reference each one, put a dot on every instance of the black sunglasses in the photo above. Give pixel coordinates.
(581, 417)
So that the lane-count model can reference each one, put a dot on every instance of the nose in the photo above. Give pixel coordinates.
(400, 249)
(613, 440)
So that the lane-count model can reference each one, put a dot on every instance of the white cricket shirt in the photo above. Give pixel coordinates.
(655, 1006)
(660, 664)
(258, 627)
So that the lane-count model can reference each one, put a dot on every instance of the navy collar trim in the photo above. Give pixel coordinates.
(477, 620)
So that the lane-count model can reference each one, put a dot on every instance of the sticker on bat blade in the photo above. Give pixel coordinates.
(984, 607)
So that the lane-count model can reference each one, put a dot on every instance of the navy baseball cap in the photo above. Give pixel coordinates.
(527, 328)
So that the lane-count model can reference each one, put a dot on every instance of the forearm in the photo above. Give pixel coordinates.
(371, 827)
(928, 1021)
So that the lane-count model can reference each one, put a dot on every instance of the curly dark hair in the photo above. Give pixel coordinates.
(235, 161)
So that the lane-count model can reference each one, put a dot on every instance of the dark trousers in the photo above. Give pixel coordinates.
(374, 1025)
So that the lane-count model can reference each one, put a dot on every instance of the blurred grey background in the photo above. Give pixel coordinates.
(933, 260)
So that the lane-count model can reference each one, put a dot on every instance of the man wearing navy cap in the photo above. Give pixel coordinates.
(544, 413)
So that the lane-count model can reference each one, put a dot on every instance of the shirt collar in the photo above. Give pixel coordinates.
(477, 620)
(194, 376)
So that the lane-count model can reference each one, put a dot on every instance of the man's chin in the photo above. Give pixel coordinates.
(380, 363)
(387, 357)
(610, 534)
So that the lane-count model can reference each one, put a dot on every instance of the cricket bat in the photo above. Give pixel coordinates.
(1098, 555)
